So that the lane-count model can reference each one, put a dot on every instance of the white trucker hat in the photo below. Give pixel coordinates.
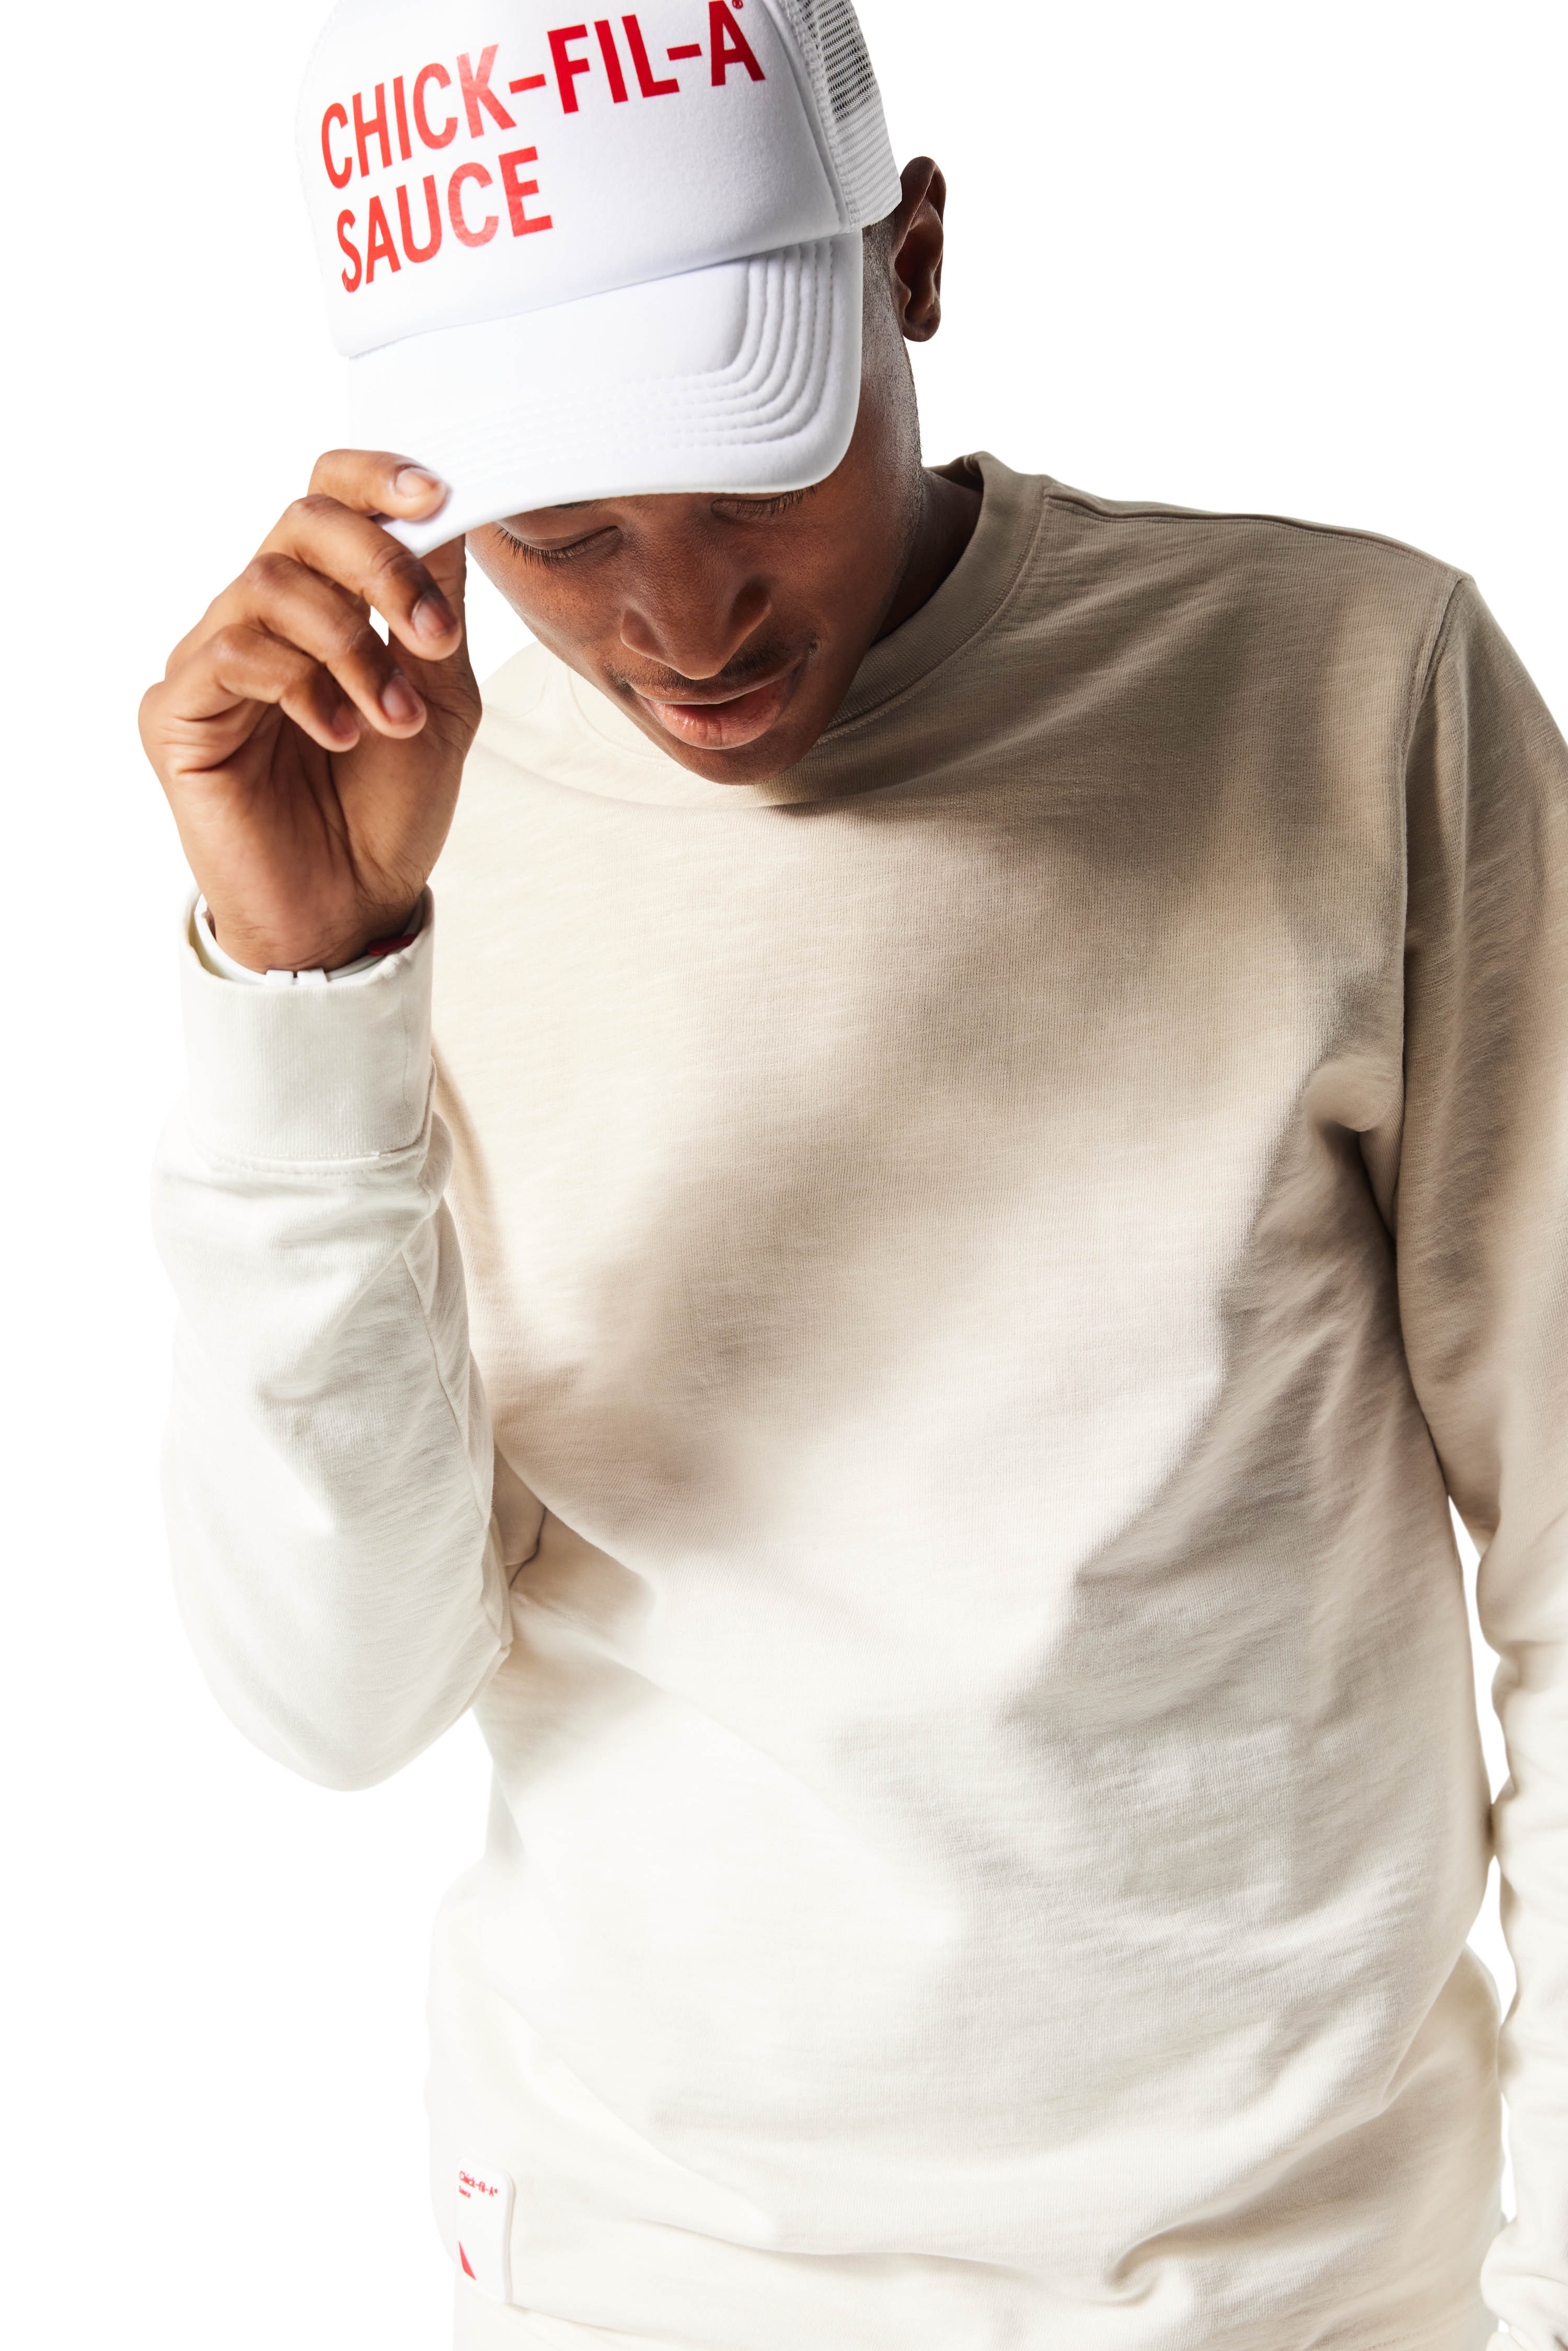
(575, 260)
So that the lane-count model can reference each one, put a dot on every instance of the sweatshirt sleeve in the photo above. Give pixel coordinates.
(328, 1465)
(1481, 1240)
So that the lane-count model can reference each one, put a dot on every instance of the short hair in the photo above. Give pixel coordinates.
(876, 237)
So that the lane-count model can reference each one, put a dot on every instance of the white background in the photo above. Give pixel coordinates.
(1303, 259)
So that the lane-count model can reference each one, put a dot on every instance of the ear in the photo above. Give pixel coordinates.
(915, 258)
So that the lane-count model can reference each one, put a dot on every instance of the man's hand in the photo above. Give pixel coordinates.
(312, 770)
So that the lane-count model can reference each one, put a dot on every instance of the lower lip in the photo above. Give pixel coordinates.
(725, 725)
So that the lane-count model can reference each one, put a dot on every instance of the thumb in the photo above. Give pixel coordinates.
(447, 683)
(448, 567)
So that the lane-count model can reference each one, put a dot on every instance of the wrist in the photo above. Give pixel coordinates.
(290, 952)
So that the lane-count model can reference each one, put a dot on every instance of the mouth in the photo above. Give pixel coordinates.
(722, 721)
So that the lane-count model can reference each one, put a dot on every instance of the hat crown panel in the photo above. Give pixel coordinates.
(465, 160)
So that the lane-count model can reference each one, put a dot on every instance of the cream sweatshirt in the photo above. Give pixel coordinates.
(913, 1374)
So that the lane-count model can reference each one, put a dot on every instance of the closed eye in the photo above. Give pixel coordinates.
(745, 509)
(734, 509)
(551, 554)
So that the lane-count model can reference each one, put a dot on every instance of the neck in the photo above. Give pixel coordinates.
(948, 513)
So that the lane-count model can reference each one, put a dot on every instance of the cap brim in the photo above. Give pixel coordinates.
(742, 378)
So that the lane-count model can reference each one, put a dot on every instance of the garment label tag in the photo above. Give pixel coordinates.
(484, 2199)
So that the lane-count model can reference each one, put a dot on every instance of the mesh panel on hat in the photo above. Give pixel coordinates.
(849, 103)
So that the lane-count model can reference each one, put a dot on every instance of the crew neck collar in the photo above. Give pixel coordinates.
(966, 604)
(967, 601)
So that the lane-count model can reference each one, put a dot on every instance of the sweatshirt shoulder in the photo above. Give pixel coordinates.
(1282, 559)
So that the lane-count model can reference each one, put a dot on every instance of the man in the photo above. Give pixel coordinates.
(1000, 1151)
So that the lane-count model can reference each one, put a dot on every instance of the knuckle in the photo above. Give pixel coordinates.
(229, 644)
(353, 639)
(307, 513)
(397, 573)
(265, 573)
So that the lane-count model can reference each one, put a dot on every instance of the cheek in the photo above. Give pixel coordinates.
(855, 562)
(576, 640)
(548, 606)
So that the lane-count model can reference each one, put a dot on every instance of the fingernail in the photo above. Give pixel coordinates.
(434, 616)
(400, 701)
(345, 722)
(413, 482)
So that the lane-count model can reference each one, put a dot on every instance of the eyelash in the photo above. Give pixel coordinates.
(541, 554)
(753, 507)
(774, 506)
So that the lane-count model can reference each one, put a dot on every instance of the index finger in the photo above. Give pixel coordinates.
(356, 552)
(377, 482)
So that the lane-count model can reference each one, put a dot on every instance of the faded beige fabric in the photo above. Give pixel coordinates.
(985, 1259)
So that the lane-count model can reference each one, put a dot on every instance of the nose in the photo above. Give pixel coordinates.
(693, 617)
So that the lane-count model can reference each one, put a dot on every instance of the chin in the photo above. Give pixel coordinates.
(749, 763)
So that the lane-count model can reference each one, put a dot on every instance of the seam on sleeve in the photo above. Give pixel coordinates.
(459, 1420)
(1422, 672)
(219, 1158)
(1426, 667)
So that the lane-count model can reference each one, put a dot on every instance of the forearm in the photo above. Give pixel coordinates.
(330, 1453)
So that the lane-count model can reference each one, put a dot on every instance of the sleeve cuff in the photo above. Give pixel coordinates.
(318, 1067)
(216, 959)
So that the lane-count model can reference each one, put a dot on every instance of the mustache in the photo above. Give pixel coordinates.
(747, 668)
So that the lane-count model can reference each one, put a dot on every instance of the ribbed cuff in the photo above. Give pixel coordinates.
(310, 1073)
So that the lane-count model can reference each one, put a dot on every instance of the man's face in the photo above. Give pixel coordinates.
(729, 628)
